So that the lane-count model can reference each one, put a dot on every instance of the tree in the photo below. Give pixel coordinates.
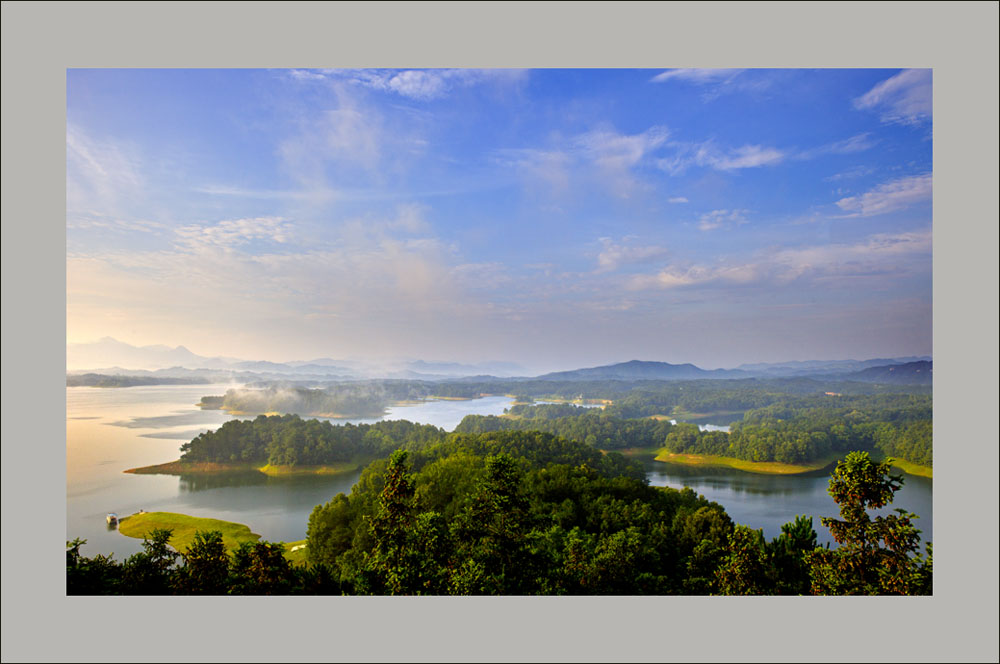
(410, 551)
(874, 556)
(149, 572)
(206, 566)
(494, 556)
(753, 566)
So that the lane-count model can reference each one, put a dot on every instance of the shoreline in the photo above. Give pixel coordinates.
(778, 468)
(759, 467)
(184, 527)
(180, 467)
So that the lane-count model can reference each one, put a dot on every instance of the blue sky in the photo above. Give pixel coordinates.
(555, 218)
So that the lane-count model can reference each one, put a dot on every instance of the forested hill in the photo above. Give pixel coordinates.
(640, 370)
(911, 373)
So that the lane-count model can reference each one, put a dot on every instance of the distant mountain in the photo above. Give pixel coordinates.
(910, 373)
(640, 370)
(821, 367)
(109, 351)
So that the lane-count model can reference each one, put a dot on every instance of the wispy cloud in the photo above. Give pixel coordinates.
(234, 232)
(857, 143)
(717, 82)
(418, 84)
(615, 154)
(100, 174)
(603, 155)
(906, 98)
(708, 154)
(889, 197)
(627, 252)
(722, 218)
(677, 199)
(880, 256)
(697, 75)
(850, 174)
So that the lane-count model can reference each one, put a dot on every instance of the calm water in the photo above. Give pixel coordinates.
(770, 501)
(109, 430)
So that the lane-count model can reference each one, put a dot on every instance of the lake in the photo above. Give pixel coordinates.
(112, 429)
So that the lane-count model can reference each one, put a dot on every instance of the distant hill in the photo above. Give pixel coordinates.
(911, 373)
(822, 367)
(641, 370)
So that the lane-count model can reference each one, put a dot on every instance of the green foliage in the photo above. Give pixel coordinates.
(290, 440)
(875, 556)
(753, 566)
(206, 566)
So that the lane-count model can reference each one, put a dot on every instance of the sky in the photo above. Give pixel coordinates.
(553, 218)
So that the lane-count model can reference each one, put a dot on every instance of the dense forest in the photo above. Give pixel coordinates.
(790, 429)
(290, 440)
(518, 513)
(800, 429)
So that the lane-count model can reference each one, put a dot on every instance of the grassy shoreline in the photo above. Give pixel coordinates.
(180, 467)
(184, 527)
(778, 468)
(761, 467)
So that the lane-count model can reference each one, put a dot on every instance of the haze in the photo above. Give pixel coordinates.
(552, 218)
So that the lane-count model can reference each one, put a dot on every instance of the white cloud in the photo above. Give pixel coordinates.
(603, 156)
(880, 256)
(857, 143)
(419, 84)
(613, 255)
(719, 218)
(678, 199)
(697, 75)
(615, 155)
(889, 197)
(707, 154)
(716, 82)
(234, 232)
(100, 174)
(850, 174)
(906, 98)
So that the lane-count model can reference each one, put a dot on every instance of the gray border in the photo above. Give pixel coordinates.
(959, 40)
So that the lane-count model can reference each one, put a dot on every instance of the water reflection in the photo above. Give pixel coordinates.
(164, 421)
(206, 481)
(769, 501)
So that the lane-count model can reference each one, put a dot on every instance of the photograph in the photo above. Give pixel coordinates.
(499, 331)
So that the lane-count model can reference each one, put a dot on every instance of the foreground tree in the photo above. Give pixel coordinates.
(875, 556)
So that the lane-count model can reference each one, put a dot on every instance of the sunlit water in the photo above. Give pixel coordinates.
(109, 430)
(112, 429)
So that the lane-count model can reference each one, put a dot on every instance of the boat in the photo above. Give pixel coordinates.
(112, 518)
